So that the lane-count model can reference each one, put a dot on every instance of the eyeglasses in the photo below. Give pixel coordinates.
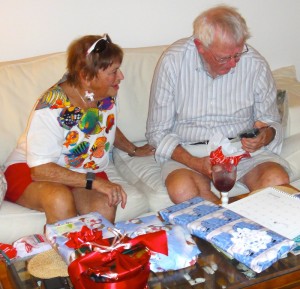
(236, 57)
(100, 45)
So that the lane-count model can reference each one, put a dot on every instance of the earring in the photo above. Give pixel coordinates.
(89, 96)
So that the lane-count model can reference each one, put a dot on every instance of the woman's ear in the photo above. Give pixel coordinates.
(84, 79)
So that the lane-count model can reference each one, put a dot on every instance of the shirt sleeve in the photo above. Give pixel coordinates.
(44, 138)
(162, 109)
(266, 108)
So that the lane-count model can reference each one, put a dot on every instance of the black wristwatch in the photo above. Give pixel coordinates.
(90, 177)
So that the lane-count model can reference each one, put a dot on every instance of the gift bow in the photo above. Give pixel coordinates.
(130, 270)
(93, 239)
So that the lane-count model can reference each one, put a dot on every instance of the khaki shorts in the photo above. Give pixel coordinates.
(244, 166)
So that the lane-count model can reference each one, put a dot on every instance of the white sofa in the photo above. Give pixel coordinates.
(22, 81)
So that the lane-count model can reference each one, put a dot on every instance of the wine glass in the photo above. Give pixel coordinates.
(224, 177)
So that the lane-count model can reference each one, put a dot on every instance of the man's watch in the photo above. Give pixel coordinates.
(90, 177)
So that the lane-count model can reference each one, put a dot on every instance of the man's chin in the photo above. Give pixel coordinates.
(224, 71)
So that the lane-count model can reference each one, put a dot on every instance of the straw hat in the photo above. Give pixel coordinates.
(48, 264)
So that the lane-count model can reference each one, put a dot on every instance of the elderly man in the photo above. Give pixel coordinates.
(214, 82)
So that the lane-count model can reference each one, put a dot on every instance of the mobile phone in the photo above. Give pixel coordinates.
(57, 283)
(249, 133)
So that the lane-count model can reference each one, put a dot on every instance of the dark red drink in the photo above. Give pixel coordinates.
(224, 177)
(224, 184)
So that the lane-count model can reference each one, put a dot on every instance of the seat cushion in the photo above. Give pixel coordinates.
(143, 173)
(137, 203)
(17, 222)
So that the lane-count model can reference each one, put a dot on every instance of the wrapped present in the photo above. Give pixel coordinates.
(7, 252)
(246, 241)
(182, 249)
(57, 234)
(31, 245)
(119, 263)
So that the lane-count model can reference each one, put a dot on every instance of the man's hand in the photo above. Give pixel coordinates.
(202, 165)
(265, 136)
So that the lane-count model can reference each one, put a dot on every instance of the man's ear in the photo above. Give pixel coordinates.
(199, 45)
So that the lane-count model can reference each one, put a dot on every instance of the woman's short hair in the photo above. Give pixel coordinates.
(223, 22)
(79, 61)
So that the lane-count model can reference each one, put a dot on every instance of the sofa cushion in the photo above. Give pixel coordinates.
(143, 173)
(21, 83)
(3, 185)
(138, 68)
(286, 79)
(291, 153)
(136, 200)
(17, 221)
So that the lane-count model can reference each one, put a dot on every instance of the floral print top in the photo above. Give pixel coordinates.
(67, 135)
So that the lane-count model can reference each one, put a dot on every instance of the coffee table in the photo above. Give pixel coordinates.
(218, 271)
(213, 270)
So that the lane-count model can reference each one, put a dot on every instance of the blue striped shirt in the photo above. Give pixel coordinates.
(187, 105)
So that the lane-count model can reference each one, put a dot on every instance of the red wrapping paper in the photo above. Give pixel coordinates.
(8, 250)
(124, 265)
(217, 157)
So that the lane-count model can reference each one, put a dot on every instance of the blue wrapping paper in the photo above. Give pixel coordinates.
(182, 250)
(248, 242)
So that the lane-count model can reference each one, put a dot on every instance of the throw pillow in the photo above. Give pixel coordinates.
(3, 185)
(282, 105)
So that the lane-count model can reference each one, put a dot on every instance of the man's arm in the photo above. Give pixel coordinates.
(201, 165)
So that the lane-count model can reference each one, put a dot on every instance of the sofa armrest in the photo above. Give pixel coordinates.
(291, 153)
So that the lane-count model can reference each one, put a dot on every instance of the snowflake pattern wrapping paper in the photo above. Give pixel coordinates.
(248, 242)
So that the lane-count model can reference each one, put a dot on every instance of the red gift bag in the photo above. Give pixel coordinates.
(111, 270)
(123, 264)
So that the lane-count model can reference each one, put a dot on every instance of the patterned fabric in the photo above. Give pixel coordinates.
(182, 249)
(181, 113)
(248, 242)
(67, 135)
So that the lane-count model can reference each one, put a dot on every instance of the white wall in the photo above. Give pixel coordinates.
(33, 27)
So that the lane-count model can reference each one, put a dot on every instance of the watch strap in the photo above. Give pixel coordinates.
(90, 177)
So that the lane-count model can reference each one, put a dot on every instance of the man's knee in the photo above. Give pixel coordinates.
(264, 176)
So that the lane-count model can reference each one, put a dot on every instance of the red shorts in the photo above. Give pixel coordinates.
(18, 177)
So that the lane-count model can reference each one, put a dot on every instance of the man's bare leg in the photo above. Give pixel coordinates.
(265, 175)
(184, 184)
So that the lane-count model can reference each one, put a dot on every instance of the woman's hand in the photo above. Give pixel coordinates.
(145, 150)
(114, 192)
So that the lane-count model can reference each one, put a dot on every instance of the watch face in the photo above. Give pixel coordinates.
(90, 176)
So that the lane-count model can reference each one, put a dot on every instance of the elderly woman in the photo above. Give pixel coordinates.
(59, 164)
